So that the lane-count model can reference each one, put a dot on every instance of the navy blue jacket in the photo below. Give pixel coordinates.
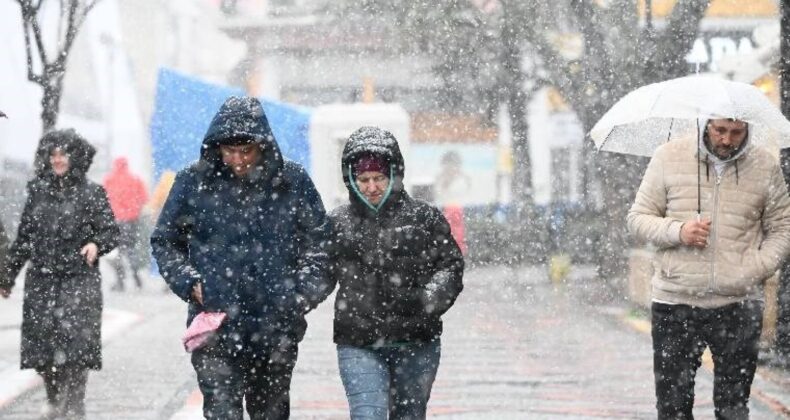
(256, 244)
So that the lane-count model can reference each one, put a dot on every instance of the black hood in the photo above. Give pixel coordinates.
(79, 150)
(242, 120)
(373, 141)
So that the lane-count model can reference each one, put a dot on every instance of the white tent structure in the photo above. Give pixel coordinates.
(330, 126)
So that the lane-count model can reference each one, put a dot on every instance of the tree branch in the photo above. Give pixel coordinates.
(42, 52)
(563, 74)
(61, 9)
(29, 53)
(88, 7)
(72, 27)
(81, 17)
(598, 58)
(678, 36)
(29, 24)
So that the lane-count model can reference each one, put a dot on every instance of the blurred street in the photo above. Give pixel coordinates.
(530, 125)
(515, 346)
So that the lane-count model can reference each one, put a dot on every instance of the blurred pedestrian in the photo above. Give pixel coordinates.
(127, 195)
(66, 225)
(452, 183)
(399, 270)
(452, 189)
(243, 232)
(718, 210)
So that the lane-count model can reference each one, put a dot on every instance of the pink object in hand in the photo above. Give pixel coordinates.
(203, 326)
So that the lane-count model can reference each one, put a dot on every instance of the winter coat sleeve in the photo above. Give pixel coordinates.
(776, 224)
(169, 240)
(312, 276)
(647, 217)
(22, 247)
(105, 230)
(446, 282)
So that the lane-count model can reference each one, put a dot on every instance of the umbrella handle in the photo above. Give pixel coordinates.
(699, 217)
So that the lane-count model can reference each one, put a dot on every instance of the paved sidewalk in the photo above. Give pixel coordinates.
(771, 386)
(515, 346)
(145, 375)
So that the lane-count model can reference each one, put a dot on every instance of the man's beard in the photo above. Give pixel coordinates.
(721, 152)
(725, 153)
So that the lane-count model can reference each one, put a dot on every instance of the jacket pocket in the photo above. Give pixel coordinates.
(681, 270)
(665, 264)
(739, 278)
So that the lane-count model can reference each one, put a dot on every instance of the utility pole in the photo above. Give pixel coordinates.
(784, 57)
(782, 345)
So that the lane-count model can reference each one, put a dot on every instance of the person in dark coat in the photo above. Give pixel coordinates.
(244, 232)
(399, 270)
(66, 225)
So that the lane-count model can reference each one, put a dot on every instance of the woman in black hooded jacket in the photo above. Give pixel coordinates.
(398, 269)
(66, 225)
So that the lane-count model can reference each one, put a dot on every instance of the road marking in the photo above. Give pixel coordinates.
(17, 382)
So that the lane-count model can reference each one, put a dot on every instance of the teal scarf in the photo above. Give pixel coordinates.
(359, 194)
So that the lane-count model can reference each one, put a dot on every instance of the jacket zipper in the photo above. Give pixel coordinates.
(714, 228)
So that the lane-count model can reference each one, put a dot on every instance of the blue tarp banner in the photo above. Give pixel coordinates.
(184, 108)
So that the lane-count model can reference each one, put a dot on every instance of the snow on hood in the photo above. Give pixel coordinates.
(80, 152)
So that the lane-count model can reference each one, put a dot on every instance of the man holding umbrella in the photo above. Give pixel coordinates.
(717, 208)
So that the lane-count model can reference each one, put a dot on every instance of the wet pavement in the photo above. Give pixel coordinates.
(515, 346)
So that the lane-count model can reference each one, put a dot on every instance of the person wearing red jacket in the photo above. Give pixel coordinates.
(127, 195)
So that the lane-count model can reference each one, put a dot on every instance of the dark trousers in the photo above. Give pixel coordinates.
(783, 315)
(680, 335)
(65, 387)
(259, 378)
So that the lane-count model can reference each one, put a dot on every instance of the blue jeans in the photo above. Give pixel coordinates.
(392, 379)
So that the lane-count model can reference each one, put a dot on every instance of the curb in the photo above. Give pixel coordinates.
(17, 382)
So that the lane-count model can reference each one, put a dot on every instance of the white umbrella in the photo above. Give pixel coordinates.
(654, 114)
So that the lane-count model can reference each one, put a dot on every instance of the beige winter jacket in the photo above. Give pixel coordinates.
(749, 209)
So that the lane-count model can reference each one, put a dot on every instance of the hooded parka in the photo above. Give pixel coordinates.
(61, 312)
(745, 199)
(398, 267)
(256, 244)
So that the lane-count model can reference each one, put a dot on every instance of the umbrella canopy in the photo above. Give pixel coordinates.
(654, 114)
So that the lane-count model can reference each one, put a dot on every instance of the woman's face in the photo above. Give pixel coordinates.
(372, 185)
(59, 161)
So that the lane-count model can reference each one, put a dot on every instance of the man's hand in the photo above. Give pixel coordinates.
(197, 293)
(90, 251)
(5, 293)
(695, 233)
